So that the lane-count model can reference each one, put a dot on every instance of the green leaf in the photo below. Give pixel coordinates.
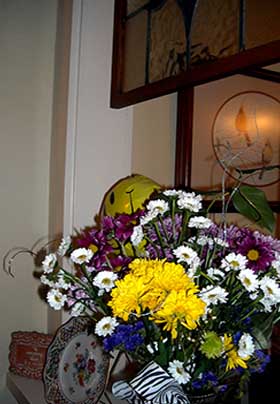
(163, 357)
(252, 203)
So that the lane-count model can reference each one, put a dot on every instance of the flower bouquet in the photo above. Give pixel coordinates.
(190, 301)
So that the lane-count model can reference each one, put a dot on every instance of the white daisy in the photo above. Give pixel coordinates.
(194, 264)
(171, 192)
(215, 274)
(106, 326)
(177, 371)
(276, 264)
(61, 283)
(270, 289)
(234, 261)
(49, 263)
(56, 299)
(105, 280)
(213, 295)
(254, 295)
(157, 207)
(221, 242)
(246, 346)
(46, 281)
(204, 240)
(64, 245)
(267, 305)
(77, 309)
(81, 255)
(147, 218)
(190, 201)
(137, 235)
(248, 279)
(185, 254)
(200, 222)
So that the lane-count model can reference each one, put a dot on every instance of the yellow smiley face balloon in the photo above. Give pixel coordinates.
(128, 195)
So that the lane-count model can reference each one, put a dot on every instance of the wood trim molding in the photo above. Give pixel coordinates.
(263, 74)
(184, 134)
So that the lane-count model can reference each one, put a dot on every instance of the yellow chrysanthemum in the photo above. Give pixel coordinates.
(234, 360)
(170, 276)
(143, 268)
(163, 289)
(179, 308)
(162, 277)
(126, 296)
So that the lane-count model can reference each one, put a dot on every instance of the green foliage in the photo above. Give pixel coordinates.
(252, 203)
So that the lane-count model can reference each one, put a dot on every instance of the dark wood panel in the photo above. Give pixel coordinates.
(183, 156)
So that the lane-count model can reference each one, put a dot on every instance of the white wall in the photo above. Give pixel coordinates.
(27, 39)
(99, 138)
(154, 139)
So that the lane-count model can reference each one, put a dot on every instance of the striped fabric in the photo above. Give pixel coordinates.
(151, 386)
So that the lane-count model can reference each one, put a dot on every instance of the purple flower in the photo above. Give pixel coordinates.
(169, 234)
(257, 248)
(123, 225)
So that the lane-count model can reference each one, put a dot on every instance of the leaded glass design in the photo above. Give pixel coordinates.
(164, 38)
(215, 30)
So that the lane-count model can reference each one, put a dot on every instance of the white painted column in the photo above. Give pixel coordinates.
(99, 139)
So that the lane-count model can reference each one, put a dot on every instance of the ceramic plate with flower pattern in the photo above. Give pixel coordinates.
(76, 366)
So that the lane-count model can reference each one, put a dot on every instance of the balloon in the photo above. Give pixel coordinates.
(128, 194)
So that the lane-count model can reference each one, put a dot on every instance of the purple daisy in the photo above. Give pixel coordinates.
(257, 248)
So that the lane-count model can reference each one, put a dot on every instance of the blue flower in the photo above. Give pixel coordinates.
(125, 335)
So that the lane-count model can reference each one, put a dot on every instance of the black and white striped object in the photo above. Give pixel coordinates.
(124, 391)
(152, 385)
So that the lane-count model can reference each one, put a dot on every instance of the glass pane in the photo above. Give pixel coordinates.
(246, 136)
(211, 123)
(135, 51)
(262, 22)
(168, 42)
(135, 5)
(215, 30)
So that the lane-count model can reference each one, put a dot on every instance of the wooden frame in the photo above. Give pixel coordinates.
(247, 61)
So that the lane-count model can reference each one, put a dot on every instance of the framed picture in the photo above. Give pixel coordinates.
(232, 136)
(246, 138)
(27, 353)
(162, 46)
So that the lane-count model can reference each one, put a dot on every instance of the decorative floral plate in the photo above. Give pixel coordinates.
(76, 366)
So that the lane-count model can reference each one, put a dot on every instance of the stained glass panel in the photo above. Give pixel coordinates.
(215, 30)
(168, 42)
(166, 37)
(262, 22)
(187, 41)
(135, 51)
